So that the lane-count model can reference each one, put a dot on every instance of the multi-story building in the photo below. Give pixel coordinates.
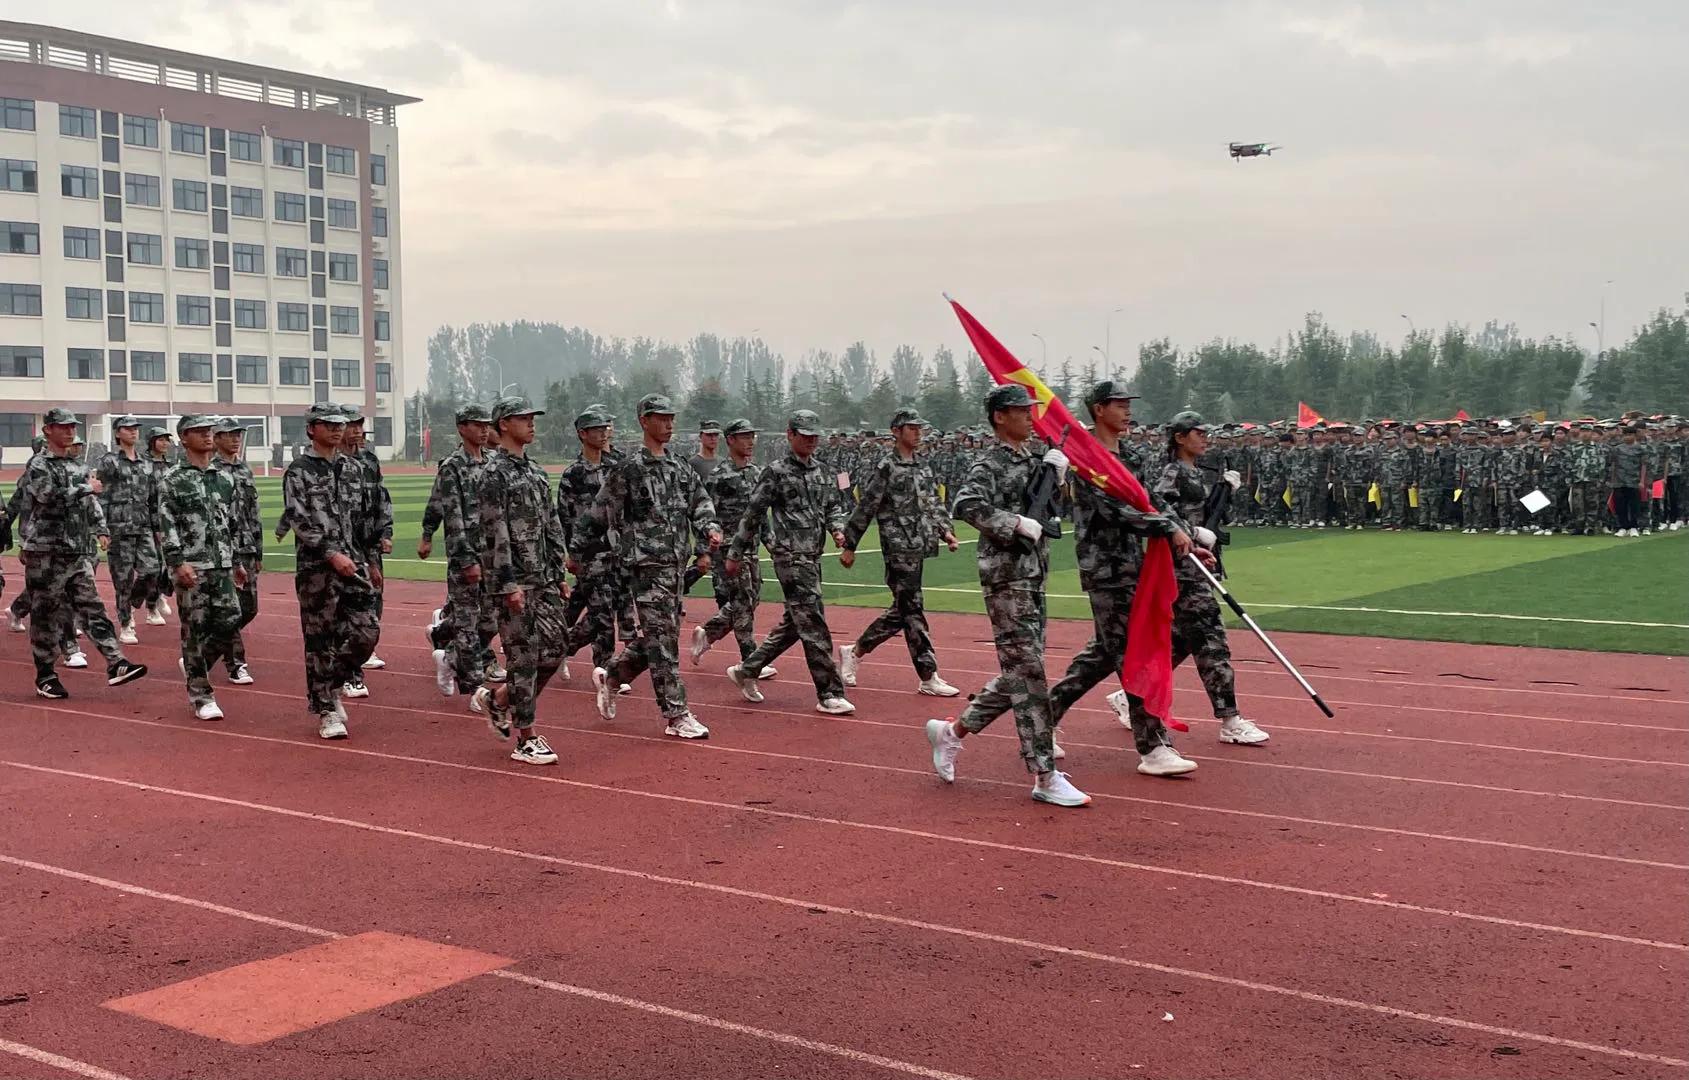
(180, 233)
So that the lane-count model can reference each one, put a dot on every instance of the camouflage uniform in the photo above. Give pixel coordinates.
(320, 500)
(63, 519)
(161, 585)
(730, 488)
(1629, 468)
(1397, 472)
(249, 547)
(467, 622)
(1510, 475)
(1274, 476)
(17, 516)
(600, 601)
(130, 504)
(1477, 481)
(376, 518)
(200, 521)
(1588, 472)
(705, 467)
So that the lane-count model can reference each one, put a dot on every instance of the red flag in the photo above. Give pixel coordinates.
(1147, 670)
(1306, 417)
(1462, 415)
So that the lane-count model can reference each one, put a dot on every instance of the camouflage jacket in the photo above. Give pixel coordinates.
(1274, 469)
(804, 505)
(320, 500)
(376, 517)
(130, 498)
(583, 534)
(730, 489)
(1588, 463)
(1630, 464)
(454, 504)
(1511, 466)
(198, 517)
(1107, 541)
(651, 508)
(247, 524)
(1185, 493)
(1477, 466)
(521, 540)
(59, 511)
(1399, 465)
(992, 499)
(902, 496)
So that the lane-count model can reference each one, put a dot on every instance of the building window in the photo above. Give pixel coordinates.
(193, 310)
(146, 249)
(87, 363)
(248, 258)
(141, 131)
(17, 114)
(187, 138)
(342, 161)
(342, 214)
(79, 182)
(345, 373)
(78, 121)
(294, 370)
(140, 189)
(146, 307)
(378, 168)
(81, 243)
(146, 366)
(20, 299)
(245, 146)
(383, 378)
(246, 202)
(380, 266)
(378, 221)
(20, 238)
(290, 262)
(383, 431)
(249, 314)
(252, 370)
(193, 367)
(188, 195)
(289, 153)
(293, 317)
(16, 428)
(192, 254)
(17, 175)
(342, 267)
(290, 206)
(342, 320)
(383, 326)
(83, 303)
(21, 361)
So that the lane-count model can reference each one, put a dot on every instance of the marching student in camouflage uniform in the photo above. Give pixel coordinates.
(1398, 471)
(599, 602)
(462, 631)
(1510, 474)
(523, 554)
(901, 496)
(58, 556)
(199, 520)
(1354, 465)
(130, 503)
(336, 574)
(229, 438)
(1551, 479)
(376, 519)
(656, 513)
(704, 463)
(1014, 562)
(1477, 481)
(160, 456)
(730, 487)
(1588, 472)
(804, 505)
(1275, 474)
(1628, 478)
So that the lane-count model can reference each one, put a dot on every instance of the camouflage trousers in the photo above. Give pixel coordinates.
(61, 596)
(1584, 506)
(134, 565)
(1199, 634)
(210, 614)
(805, 622)
(1017, 628)
(1355, 504)
(1478, 506)
(1395, 511)
(736, 602)
(337, 619)
(533, 647)
(907, 615)
(1304, 501)
(1101, 658)
(467, 627)
(656, 647)
(1508, 513)
(248, 596)
(23, 603)
(1272, 507)
(597, 607)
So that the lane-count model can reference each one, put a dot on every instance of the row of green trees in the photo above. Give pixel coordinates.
(1489, 372)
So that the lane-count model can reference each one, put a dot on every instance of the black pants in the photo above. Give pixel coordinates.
(1626, 503)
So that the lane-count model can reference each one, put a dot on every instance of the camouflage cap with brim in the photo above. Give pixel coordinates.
(803, 422)
(126, 420)
(593, 416)
(474, 413)
(158, 432)
(353, 412)
(1108, 390)
(228, 425)
(514, 405)
(655, 405)
(324, 412)
(58, 414)
(906, 417)
(190, 421)
(740, 426)
(1007, 396)
(709, 427)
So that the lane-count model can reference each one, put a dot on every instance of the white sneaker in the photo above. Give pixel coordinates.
(686, 727)
(76, 658)
(1122, 709)
(155, 617)
(208, 711)
(339, 709)
(445, 679)
(434, 622)
(937, 687)
(768, 672)
(1165, 761)
(834, 706)
(374, 663)
(182, 666)
(126, 636)
(482, 701)
(1645, 532)
(1055, 789)
(623, 690)
(355, 690)
(241, 675)
(15, 621)
(700, 644)
(534, 750)
(496, 673)
(563, 671)
(331, 727)
(164, 605)
(847, 664)
(1236, 729)
(946, 744)
(605, 697)
(747, 685)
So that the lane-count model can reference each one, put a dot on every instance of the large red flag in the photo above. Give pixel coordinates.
(1306, 417)
(1147, 670)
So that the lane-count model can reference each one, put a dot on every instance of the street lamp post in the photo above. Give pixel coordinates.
(1108, 339)
(1600, 339)
(1044, 351)
(1412, 331)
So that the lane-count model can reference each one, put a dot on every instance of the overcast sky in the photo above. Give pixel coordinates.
(819, 171)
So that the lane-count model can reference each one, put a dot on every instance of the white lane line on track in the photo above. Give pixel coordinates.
(1310, 997)
(860, 1057)
(58, 1061)
(872, 827)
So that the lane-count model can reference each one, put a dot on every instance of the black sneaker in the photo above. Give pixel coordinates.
(124, 671)
(51, 688)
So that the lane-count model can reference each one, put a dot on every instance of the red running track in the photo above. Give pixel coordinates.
(1478, 868)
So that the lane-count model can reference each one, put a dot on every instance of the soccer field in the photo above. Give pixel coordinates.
(1560, 592)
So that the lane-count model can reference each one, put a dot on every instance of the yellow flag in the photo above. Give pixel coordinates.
(1258, 498)
(1413, 497)
(1457, 492)
(1287, 499)
(1374, 496)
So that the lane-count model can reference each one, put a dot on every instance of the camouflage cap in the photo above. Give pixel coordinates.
(190, 421)
(323, 412)
(157, 432)
(1007, 396)
(58, 414)
(126, 420)
(740, 426)
(474, 413)
(1188, 420)
(709, 427)
(905, 417)
(353, 412)
(227, 425)
(803, 422)
(655, 405)
(514, 405)
(593, 416)
(1109, 390)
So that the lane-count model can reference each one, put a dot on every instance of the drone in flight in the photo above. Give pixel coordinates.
(1252, 149)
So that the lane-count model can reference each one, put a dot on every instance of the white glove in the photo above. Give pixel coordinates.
(1055, 457)
(1204, 537)
(1232, 477)
(1029, 528)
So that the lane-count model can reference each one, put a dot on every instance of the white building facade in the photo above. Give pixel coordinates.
(182, 234)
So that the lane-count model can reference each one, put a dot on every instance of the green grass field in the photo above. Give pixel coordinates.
(1421, 585)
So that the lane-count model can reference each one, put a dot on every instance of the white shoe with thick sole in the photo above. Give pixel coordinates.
(241, 676)
(534, 750)
(700, 644)
(1055, 788)
(126, 636)
(1236, 729)
(208, 711)
(747, 685)
(331, 727)
(1122, 709)
(374, 663)
(355, 690)
(946, 744)
(163, 605)
(445, 678)
(937, 687)
(76, 658)
(847, 664)
(1165, 761)
(15, 622)
(686, 727)
(768, 672)
(155, 617)
(834, 706)
(603, 695)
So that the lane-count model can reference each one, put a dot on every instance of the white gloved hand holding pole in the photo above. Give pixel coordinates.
(1204, 537)
(1232, 477)
(1055, 457)
(1029, 528)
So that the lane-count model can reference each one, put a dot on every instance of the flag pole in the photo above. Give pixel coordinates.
(1265, 640)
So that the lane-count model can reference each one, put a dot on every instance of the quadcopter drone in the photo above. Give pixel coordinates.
(1252, 149)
